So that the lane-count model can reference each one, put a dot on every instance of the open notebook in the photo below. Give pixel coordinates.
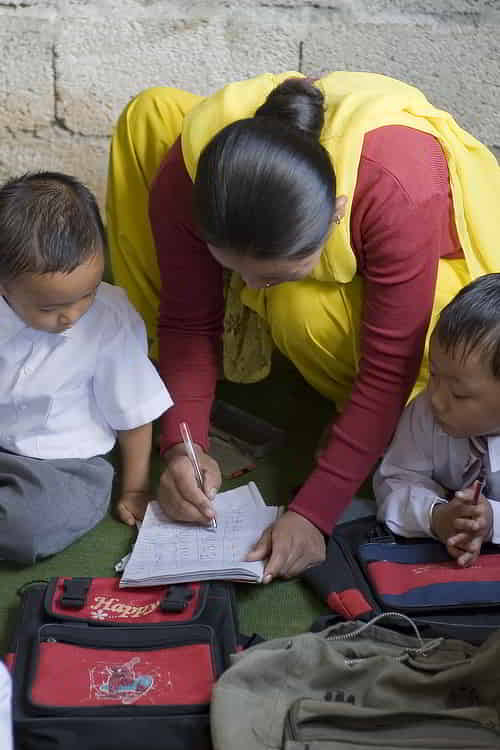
(170, 552)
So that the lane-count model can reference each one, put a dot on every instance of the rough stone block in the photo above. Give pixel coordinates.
(31, 3)
(466, 11)
(26, 83)
(99, 67)
(457, 69)
(53, 149)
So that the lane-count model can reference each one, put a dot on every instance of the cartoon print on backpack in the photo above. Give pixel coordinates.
(120, 682)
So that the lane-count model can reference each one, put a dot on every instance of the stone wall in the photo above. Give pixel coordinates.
(68, 67)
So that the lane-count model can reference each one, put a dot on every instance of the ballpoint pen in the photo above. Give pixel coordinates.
(188, 444)
(478, 488)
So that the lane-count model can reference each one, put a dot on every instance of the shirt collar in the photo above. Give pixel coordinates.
(11, 325)
(494, 452)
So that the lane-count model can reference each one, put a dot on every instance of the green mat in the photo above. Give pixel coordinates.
(280, 608)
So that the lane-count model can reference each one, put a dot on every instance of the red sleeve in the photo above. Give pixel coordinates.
(401, 223)
(191, 310)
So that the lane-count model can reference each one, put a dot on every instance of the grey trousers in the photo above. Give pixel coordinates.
(45, 504)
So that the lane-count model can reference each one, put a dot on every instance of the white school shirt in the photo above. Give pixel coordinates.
(5, 709)
(423, 465)
(64, 395)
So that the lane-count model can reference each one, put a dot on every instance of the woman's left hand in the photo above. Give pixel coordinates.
(292, 544)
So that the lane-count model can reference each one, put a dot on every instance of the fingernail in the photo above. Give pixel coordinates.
(267, 578)
(212, 493)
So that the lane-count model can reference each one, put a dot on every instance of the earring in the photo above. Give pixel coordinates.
(337, 219)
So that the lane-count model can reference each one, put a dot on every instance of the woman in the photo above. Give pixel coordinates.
(349, 210)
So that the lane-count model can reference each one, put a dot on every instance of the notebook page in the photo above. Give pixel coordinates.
(168, 551)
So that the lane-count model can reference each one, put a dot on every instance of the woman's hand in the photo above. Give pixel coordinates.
(292, 544)
(178, 493)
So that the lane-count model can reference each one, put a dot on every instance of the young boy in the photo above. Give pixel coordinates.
(74, 372)
(441, 474)
(5, 708)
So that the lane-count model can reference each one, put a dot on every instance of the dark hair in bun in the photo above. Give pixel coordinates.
(265, 186)
(296, 102)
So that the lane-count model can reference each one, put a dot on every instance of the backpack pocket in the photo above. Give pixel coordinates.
(421, 577)
(340, 725)
(121, 688)
(78, 670)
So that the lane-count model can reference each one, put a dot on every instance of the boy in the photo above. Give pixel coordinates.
(74, 372)
(5, 709)
(441, 474)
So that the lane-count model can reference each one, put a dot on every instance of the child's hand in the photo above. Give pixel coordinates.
(464, 548)
(472, 529)
(444, 516)
(462, 525)
(131, 507)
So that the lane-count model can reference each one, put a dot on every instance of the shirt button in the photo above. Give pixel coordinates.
(23, 407)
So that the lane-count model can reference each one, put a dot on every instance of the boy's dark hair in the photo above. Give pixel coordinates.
(265, 186)
(471, 321)
(49, 222)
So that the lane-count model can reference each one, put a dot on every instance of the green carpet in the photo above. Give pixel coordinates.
(280, 608)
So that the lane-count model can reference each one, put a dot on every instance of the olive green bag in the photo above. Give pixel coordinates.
(358, 686)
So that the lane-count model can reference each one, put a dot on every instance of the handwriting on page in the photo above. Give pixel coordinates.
(178, 543)
(164, 545)
(170, 552)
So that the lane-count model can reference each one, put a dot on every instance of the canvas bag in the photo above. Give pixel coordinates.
(357, 687)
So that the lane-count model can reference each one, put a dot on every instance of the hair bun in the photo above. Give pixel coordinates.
(297, 102)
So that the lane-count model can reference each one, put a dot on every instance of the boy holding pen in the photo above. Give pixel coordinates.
(441, 474)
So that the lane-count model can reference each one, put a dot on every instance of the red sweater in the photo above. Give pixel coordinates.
(401, 224)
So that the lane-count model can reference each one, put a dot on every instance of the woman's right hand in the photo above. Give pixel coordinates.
(179, 494)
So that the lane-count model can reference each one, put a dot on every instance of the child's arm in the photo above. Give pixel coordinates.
(404, 484)
(135, 447)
